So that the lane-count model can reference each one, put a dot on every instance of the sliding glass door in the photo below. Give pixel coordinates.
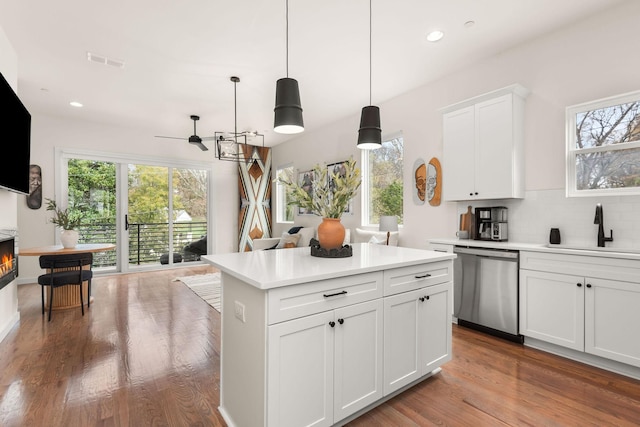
(156, 212)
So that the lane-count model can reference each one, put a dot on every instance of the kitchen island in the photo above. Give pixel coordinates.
(319, 341)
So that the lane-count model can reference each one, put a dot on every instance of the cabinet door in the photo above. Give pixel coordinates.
(552, 308)
(458, 154)
(494, 155)
(435, 326)
(611, 318)
(401, 336)
(358, 357)
(300, 372)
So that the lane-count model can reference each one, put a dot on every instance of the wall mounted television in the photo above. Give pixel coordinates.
(16, 130)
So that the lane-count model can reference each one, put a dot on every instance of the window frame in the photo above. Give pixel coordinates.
(365, 195)
(571, 152)
(281, 196)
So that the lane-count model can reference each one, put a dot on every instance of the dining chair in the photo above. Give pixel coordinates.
(67, 269)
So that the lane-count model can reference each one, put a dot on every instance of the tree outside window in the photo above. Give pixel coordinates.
(603, 146)
(383, 181)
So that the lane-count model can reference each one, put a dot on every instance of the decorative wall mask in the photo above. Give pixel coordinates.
(434, 182)
(420, 181)
(34, 199)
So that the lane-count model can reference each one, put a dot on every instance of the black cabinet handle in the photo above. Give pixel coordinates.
(588, 285)
(421, 299)
(471, 194)
(579, 285)
(333, 295)
(341, 321)
(426, 297)
(332, 323)
(423, 276)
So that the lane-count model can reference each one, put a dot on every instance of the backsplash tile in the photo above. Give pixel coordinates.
(531, 218)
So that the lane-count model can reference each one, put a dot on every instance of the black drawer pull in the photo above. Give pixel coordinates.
(333, 295)
(423, 276)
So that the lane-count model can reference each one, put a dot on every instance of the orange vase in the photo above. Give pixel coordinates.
(331, 233)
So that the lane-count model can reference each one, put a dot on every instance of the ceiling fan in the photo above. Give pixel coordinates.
(193, 139)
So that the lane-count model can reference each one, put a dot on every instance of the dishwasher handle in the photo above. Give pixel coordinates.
(494, 253)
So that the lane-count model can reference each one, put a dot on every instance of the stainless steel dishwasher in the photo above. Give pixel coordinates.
(485, 290)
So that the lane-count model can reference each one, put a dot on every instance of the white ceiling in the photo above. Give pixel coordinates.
(180, 55)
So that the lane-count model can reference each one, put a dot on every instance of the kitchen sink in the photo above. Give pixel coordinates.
(595, 248)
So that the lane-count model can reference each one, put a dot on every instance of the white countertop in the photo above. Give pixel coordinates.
(282, 267)
(607, 252)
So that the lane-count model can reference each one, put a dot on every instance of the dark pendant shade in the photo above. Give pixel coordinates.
(370, 133)
(288, 110)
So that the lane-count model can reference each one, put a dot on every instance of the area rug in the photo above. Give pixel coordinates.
(206, 286)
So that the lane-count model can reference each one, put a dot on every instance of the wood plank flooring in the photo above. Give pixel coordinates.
(146, 353)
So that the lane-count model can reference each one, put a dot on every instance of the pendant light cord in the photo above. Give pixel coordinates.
(370, 66)
(235, 113)
(287, 35)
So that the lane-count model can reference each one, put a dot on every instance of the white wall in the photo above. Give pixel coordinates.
(9, 314)
(590, 60)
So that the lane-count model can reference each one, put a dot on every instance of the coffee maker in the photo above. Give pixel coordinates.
(491, 224)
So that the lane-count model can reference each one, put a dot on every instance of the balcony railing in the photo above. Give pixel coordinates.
(147, 241)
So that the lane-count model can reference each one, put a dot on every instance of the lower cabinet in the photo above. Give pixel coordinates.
(417, 334)
(325, 367)
(584, 313)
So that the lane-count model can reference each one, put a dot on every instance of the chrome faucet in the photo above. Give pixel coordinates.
(599, 219)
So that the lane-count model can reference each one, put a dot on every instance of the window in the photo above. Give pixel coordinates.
(603, 147)
(382, 182)
(284, 211)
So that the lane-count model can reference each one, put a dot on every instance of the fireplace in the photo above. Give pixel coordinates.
(8, 261)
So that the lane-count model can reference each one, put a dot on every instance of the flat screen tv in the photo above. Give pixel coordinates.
(16, 130)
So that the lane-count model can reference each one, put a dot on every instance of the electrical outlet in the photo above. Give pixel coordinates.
(239, 309)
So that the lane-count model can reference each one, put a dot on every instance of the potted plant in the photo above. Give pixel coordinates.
(67, 219)
(327, 195)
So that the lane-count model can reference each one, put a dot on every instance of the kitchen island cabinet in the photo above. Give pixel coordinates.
(305, 339)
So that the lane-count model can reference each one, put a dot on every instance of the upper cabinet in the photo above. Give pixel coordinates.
(483, 142)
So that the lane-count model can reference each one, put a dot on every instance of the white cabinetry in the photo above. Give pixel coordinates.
(325, 366)
(320, 352)
(483, 142)
(417, 322)
(583, 303)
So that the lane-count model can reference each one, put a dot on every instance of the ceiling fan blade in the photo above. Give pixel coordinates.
(201, 145)
(171, 137)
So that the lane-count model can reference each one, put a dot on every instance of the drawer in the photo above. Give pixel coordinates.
(406, 279)
(291, 302)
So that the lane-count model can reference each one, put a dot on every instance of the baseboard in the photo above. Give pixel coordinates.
(10, 324)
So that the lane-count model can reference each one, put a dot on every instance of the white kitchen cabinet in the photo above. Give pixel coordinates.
(326, 366)
(483, 143)
(303, 339)
(612, 312)
(589, 313)
(552, 308)
(417, 334)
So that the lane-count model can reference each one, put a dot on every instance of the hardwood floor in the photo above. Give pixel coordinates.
(147, 353)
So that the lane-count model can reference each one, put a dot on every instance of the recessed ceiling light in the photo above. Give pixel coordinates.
(435, 35)
(469, 24)
(75, 104)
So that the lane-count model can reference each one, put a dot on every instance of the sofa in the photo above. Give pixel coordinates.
(301, 237)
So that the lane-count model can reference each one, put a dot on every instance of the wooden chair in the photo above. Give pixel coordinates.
(62, 270)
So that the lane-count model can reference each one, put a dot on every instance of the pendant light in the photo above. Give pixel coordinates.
(288, 110)
(233, 146)
(370, 133)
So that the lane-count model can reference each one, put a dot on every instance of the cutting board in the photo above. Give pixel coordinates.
(467, 220)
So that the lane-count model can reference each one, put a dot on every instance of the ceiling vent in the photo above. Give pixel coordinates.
(92, 57)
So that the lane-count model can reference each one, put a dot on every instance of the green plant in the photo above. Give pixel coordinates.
(330, 191)
(68, 219)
